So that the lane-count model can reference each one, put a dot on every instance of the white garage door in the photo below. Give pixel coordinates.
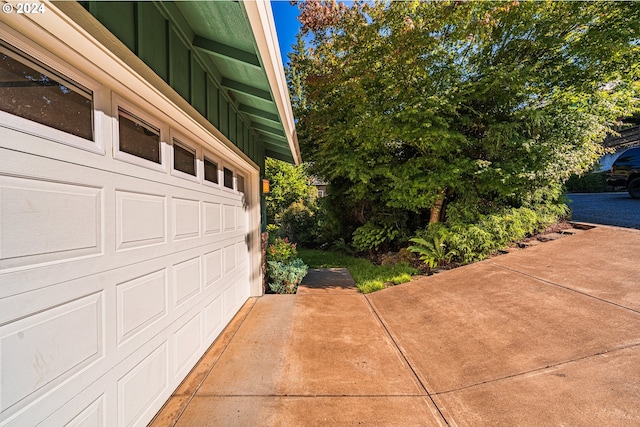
(124, 248)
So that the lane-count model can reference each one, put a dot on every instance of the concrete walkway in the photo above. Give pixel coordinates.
(549, 335)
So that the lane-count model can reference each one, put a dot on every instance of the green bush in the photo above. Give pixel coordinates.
(330, 221)
(595, 182)
(284, 278)
(371, 236)
(467, 243)
(298, 223)
(281, 250)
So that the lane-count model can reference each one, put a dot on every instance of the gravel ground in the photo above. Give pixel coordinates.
(617, 209)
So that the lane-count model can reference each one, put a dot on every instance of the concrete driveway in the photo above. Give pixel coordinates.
(549, 335)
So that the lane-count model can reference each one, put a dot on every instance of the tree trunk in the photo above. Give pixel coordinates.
(436, 209)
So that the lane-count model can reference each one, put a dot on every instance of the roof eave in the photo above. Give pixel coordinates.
(263, 27)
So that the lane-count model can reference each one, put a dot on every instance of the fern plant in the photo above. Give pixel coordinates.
(433, 253)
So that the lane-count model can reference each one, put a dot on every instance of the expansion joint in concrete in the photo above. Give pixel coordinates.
(404, 357)
(541, 369)
(549, 282)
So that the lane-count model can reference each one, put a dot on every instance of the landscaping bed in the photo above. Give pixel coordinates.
(393, 268)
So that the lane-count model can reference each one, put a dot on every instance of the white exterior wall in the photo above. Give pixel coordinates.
(115, 274)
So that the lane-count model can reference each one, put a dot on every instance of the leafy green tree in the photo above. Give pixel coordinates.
(288, 184)
(423, 111)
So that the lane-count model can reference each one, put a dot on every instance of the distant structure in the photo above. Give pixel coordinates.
(321, 185)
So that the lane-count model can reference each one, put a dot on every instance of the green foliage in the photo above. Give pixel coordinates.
(339, 245)
(298, 223)
(284, 278)
(372, 236)
(368, 276)
(285, 270)
(594, 182)
(288, 184)
(281, 250)
(273, 230)
(329, 224)
(491, 104)
(465, 243)
(433, 252)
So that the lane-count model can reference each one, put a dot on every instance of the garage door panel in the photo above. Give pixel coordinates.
(186, 280)
(230, 258)
(212, 267)
(143, 384)
(91, 408)
(185, 218)
(213, 318)
(186, 345)
(230, 299)
(242, 255)
(91, 416)
(140, 219)
(44, 221)
(241, 218)
(141, 302)
(212, 218)
(42, 350)
(229, 214)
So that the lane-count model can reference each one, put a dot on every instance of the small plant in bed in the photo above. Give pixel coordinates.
(285, 270)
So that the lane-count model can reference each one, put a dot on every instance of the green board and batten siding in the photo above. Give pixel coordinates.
(155, 33)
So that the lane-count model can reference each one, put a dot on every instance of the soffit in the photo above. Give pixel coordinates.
(222, 33)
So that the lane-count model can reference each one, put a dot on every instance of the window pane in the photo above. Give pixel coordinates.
(139, 138)
(210, 170)
(228, 178)
(240, 183)
(184, 159)
(30, 91)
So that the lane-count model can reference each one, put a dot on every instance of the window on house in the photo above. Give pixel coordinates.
(210, 170)
(228, 178)
(34, 92)
(241, 183)
(138, 138)
(184, 158)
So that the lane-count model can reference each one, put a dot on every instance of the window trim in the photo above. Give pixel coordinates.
(34, 57)
(119, 104)
(187, 144)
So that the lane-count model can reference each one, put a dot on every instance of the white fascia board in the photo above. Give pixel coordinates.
(264, 32)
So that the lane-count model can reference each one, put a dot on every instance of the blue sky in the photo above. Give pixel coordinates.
(287, 25)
